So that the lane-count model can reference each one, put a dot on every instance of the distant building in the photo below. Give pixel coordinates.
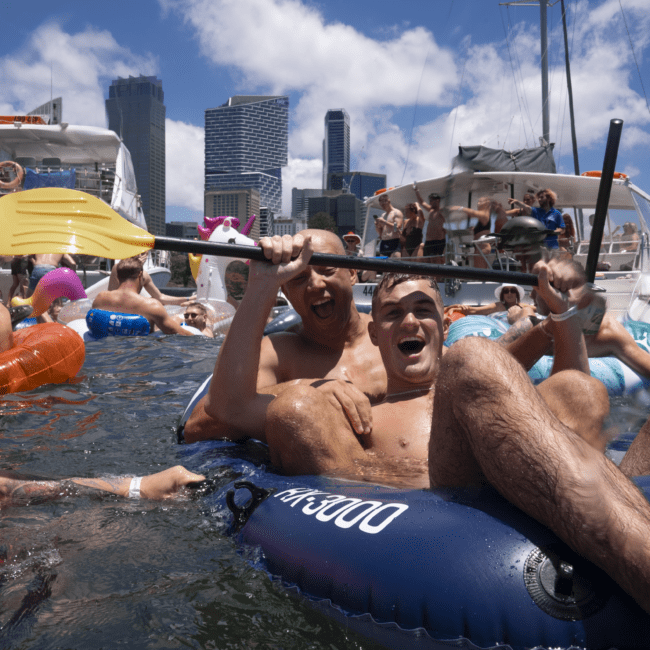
(336, 144)
(289, 226)
(246, 146)
(267, 220)
(300, 199)
(346, 209)
(182, 229)
(361, 184)
(136, 112)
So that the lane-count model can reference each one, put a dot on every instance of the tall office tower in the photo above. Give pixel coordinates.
(246, 146)
(136, 113)
(336, 145)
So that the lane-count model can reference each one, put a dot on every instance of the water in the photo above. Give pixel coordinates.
(106, 573)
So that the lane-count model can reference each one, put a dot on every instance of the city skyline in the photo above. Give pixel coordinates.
(416, 81)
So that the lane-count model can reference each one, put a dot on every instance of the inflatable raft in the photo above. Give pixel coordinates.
(459, 568)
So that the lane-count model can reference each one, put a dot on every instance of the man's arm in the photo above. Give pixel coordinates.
(158, 314)
(161, 297)
(69, 261)
(20, 490)
(233, 399)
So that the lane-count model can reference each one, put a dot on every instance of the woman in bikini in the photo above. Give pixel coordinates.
(411, 236)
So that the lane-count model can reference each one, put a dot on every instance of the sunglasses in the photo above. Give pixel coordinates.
(510, 290)
(191, 314)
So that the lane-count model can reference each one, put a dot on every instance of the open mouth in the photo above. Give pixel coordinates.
(323, 309)
(410, 346)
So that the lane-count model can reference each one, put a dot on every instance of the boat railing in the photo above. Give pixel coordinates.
(622, 255)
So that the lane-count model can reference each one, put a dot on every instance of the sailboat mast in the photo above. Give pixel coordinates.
(544, 43)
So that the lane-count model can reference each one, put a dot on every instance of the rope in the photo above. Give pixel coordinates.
(634, 55)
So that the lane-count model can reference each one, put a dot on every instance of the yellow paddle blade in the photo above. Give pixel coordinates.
(59, 220)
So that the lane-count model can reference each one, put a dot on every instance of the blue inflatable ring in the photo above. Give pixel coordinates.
(108, 323)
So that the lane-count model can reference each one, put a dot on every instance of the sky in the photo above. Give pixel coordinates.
(417, 78)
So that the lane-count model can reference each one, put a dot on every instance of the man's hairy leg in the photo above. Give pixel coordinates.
(306, 434)
(542, 466)
(636, 461)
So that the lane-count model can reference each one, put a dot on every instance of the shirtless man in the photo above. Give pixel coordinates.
(196, 315)
(435, 239)
(44, 264)
(331, 344)
(489, 424)
(149, 285)
(127, 299)
(391, 226)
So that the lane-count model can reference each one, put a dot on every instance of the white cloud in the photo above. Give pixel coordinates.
(184, 145)
(77, 67)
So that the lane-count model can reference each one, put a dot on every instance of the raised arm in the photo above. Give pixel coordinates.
(158, 314)
(233, 400)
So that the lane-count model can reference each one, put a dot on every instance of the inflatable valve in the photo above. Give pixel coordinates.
(242, 513)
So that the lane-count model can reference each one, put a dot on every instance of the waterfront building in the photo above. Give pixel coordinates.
(336, 144)
(246, 146)
(182, 229)
(136, 112)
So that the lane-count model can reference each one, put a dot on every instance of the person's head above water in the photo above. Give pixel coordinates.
(322, 295)
(129, 269)
(409, 328)
(196, 315)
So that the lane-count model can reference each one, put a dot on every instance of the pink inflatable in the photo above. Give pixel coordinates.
(61, 282)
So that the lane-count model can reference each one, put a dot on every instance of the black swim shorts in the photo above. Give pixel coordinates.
(388, 246)
(434, 247)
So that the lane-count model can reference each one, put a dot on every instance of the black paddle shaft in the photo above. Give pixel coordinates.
(348, 262)
(604, 191)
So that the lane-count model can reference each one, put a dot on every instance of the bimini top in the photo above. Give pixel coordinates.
(73, 145)
(466, 188)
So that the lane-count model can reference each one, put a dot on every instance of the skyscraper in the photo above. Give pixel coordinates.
(136, 112)
(246, 146)
(336, 145)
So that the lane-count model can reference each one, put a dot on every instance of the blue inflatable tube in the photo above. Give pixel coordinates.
(107, 323)
(617, 377)
(439, 568)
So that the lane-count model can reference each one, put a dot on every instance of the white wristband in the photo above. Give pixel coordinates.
(572, 311)
(134, 487)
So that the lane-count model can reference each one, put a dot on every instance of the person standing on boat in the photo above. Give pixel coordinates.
(518, 207)
(548, 215)
(411, 235)
(127, 299)
(391, 225)
(43, 264)
(435, 238)
(482, 228)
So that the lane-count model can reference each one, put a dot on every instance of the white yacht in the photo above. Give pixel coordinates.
(86, 158)
(627, 281)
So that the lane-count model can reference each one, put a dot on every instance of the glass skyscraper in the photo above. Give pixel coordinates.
(246, 146)
(136, 112)
(336, 145)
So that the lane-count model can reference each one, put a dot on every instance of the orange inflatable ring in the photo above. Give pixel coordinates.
(20, 175)
(47, 353)
(599, 174)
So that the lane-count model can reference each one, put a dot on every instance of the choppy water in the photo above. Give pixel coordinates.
(107, 573)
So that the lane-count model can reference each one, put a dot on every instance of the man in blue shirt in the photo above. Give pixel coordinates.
(549, 216)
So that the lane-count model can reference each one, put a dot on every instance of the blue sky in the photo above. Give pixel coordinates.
(417, 81)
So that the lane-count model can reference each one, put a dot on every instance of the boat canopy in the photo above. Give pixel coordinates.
(484, 159)
(465, 188)
(73, 145)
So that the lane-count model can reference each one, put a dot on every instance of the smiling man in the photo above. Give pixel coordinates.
(331, 350)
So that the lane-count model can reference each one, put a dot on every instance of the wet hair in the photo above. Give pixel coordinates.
(390, 280)
(129, 269)
(570, 230)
